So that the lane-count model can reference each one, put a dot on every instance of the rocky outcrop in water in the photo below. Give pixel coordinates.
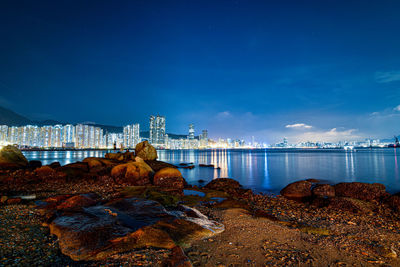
(146, 151)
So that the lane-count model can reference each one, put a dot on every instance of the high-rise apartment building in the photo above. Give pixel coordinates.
(3, 133)
(131, 135)
(157, 130)
(191, 131)
(69, 134)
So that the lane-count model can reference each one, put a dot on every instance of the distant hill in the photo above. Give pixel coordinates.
(10, 118)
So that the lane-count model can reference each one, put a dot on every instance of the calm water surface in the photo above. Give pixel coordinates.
(267, 169)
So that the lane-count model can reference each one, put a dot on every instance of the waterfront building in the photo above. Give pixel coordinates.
(3, 134)
(69, 135)
(45, 136)
(131, 135)
(157, 130)
(56, 136)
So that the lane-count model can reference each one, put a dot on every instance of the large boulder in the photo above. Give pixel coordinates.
(99, 231)
(323, 190)
(114, 156)
(146, 151)
(93, 163)
(12, 158)
(363, 191)
(169, 178)
(300, 190)
(133, 173)
(45, 172)
(223, 184)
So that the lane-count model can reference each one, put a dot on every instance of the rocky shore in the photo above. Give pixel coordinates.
(129, 209)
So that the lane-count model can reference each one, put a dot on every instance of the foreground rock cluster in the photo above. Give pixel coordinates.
(130, 209)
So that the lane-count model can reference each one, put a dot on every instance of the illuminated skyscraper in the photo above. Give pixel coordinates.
(56, 136)
(69, 134)
(3, 134)
(131, 135)
(191, 131)
(157, 130)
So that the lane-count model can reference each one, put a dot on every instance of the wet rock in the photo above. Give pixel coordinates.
(3, 199)
(13, 201)
(74, 170)
(323, 190)
(300, 190)
(169, 178)
(362, 191)
(76, 202)
(114, 156)
(134, 173)
(146, 151)
(54, 165)
(93, 163)
(128, 156)
(177, 258)
(223, 184)
(33, 164)
(12, 158)
(157, 165)
(122, 225)
(206, 165)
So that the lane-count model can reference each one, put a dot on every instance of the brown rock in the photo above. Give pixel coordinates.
(55, 165)
(134, 173)
(146, 151)
(12, 158)
(138, 173)
(223, 184)
(300, 190)
(114, 156)
(93, 163)
(169, 178)
(45, 172)
(157, 165)
(76, 203)
(12, 201)
(323, 190)
(122, 225)
(363, 191)
(177, 258)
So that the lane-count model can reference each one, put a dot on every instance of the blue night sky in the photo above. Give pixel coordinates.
(307, 70)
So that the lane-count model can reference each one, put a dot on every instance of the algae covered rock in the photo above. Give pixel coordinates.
(99, 231)
(169, 178)
(146, 151)
(223, 184)
(300, 190)
(323, 190)
(12, 158)
(134, 173)
(362, 191)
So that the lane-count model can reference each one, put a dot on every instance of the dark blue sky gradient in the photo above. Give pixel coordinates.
(236, 68)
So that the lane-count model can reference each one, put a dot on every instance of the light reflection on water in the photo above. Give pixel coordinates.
(268, 170)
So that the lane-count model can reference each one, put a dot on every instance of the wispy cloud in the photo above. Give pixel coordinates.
(397, 108)
(332, 135)
(299, 126)
(387, 77)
